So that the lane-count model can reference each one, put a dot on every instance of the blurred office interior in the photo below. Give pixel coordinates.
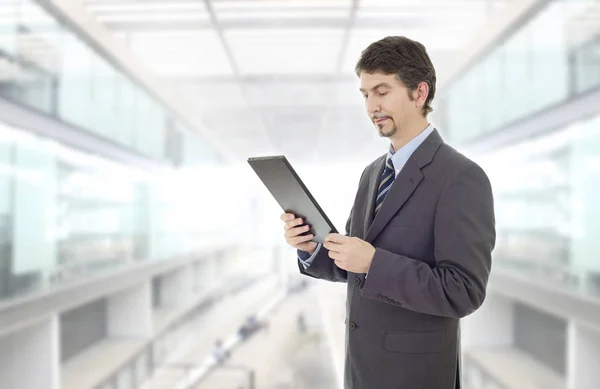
(139, 250)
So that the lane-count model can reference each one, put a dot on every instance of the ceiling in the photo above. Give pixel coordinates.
(275, 76)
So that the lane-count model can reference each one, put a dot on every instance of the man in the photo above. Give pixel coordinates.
(417, 251)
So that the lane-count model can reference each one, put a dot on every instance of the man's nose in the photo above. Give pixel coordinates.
(373, 107)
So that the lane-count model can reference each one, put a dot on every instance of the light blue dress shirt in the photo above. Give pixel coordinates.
(399, 159)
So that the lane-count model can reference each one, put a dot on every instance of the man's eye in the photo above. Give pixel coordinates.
(364, 96)
(382, 93)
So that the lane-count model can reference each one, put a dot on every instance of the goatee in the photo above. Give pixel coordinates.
(387, 134)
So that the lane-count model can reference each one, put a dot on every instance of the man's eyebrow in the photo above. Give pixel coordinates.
(380, 85)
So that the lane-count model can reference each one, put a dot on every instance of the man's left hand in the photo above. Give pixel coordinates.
(349, 253)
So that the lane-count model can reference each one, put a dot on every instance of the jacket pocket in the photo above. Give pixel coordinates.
(416, 342)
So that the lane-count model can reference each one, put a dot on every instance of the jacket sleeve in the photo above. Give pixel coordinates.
(464, 237)
(322, 266)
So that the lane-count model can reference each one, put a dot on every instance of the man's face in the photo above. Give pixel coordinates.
(388, 102)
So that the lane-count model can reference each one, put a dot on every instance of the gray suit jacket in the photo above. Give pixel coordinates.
(433, 237)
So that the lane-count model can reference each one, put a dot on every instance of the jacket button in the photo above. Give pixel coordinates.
(352, 326)
(357, 280)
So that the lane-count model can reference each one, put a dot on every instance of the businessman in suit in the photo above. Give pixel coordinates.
(417, 251)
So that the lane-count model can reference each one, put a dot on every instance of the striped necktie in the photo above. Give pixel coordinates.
(387, 179)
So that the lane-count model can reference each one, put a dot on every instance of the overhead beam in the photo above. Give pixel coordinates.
(346, 39)
(260, 24)
(125, 7)
(263, 79)
(214, 22)
(234, 66)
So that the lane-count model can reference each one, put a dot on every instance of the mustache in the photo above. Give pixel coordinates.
(375, 116)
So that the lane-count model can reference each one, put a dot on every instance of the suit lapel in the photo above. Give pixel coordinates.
(374, 180)
(403, 187)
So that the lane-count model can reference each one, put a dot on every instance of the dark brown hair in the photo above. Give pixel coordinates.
(405, 58)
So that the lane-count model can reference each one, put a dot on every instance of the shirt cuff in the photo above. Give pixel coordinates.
(306, 259)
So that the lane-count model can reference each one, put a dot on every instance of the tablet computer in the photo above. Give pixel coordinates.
(280, 178)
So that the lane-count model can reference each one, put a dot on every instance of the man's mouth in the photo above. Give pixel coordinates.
(381, 120)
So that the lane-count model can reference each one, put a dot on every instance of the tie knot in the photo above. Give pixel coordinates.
(389, 164)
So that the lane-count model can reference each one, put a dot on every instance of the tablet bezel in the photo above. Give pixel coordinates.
(291, 169)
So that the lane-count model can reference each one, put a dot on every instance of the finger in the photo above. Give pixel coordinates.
(293, 223)
(292, 233)
(335, 255)
(301, 239)
(287, 217)
(336, 238)
(331, 246)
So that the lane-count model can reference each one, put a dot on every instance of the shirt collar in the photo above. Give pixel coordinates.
(400, 156)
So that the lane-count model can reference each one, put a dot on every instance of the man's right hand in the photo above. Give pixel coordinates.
(294, 229)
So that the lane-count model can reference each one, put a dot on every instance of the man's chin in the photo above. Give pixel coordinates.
(386, 132)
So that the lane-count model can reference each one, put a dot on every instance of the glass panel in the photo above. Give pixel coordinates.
(97, 218)
(492, 88)
(145, 126)
(586, 63)
(8, 26)
(34, 252)
(456, 110)
(472, 92)
(551, 57)
(128, 113)
(103, 92)
(549, 77)
(37, 50)
(585, 181)
(8, 32)
(546, 206)
(517, 73)
(6, 191)
(74, 92)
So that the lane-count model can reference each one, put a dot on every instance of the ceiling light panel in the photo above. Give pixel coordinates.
(285, 51)
(143, 17)
(166, 6)
(155, 11)
(246, 13)
(181, 53)
(267, 5)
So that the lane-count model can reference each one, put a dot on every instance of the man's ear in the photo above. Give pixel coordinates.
(420, 94)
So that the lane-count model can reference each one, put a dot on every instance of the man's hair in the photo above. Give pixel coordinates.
(405, 58)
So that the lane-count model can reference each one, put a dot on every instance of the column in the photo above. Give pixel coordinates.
(29, 358)
(583, 354)
(130, 313)
(177, 287)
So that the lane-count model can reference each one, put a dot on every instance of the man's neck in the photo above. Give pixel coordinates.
(405, 135)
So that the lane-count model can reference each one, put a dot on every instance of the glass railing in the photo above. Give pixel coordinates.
(545, 192)
(46, 66)
(65, 214)
(575, 279)
(552, 57)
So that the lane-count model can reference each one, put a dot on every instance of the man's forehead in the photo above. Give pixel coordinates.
(370, 81)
